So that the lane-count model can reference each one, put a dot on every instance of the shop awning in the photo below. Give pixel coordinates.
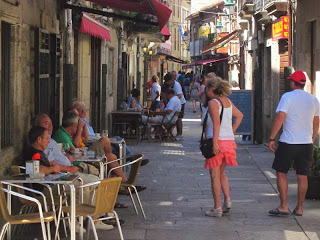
(173, 59)
(219, 43)
(203, 62)
(153, 7)
(166, 33)
(94, 28)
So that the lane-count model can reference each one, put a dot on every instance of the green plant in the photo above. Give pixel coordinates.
(315, 163)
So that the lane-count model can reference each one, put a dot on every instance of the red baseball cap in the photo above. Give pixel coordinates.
(299, 77)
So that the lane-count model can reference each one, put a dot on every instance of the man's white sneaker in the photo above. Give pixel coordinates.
(103, 226)
(179, 137)
(78, 228)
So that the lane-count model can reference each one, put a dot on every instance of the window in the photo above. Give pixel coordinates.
(5, 85)
(110, 73)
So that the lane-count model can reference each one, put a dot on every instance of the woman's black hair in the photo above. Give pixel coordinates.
(135, 92)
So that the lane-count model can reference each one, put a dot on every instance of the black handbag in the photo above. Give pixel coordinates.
(206, 146)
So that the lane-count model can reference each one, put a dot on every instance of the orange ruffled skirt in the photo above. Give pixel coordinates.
(227, 154)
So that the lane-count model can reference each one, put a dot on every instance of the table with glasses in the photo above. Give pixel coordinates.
(55, 179)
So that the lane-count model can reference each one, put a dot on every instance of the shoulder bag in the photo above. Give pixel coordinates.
(206, 145)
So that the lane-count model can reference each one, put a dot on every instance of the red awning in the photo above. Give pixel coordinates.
(161, 11)
(166, 33)
(94, 28)
(221, 42)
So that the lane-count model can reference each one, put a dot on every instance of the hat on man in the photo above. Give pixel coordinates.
(299, 77)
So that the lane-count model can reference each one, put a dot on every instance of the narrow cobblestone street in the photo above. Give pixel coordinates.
(179, 193)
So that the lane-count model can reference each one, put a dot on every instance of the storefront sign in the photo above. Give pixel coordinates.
(225, 47)
(280, 28)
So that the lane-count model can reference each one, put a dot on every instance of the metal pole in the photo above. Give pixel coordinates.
(138, 86)
(68, 66)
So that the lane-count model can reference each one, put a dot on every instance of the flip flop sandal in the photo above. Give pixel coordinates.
(144, 162)
(120, 205)
(296, 214)
(113, 222)
(277, 212)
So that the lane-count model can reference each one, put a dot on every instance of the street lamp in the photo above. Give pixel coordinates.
(229, 4)
(219, 27)
(145, 49)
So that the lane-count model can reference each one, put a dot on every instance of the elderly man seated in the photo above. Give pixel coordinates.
(172, 107)
(44, 148)
(69, 128)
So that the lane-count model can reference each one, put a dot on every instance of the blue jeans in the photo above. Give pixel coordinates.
(115, 148)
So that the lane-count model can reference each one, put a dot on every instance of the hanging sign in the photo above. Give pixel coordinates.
(280, 28)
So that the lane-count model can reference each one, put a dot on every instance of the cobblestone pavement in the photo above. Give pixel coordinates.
(179, 193)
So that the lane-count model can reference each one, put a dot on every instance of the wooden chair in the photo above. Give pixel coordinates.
(41, 217)
(107, 193)
(131, 182)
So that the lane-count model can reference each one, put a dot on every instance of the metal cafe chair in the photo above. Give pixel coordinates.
(28, 206)
(107, 194)
(41, 217)
(131, 182)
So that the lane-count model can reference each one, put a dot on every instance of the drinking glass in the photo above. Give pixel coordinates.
(105, 133)
(65, 147)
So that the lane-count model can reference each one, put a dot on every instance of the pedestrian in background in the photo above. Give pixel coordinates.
(220, 128)
(298, 112)
(155, 93)
(194, 93)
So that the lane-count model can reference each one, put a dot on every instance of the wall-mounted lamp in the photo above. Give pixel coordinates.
(150, 52)
(145, 49)
(229, 4)
(219, 27)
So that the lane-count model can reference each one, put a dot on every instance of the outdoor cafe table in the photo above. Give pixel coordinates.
(125, 119)
(64, 179)
(97, 159)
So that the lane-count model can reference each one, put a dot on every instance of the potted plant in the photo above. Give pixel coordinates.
(313, 191)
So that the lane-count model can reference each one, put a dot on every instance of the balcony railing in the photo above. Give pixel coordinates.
(260, 4)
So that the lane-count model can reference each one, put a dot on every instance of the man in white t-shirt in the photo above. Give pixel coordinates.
(171, 108)
(298, 112)
(179, 93)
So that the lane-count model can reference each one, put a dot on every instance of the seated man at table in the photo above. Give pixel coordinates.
(69, 127)
(171, 108)
(39, 139)
(54, 153)
(47, 151)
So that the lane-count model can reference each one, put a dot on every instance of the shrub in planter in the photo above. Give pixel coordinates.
(313, 191)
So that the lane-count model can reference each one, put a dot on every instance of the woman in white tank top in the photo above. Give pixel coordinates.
(224, 146)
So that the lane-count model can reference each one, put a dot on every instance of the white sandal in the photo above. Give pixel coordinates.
(227, 205)
(216, 212)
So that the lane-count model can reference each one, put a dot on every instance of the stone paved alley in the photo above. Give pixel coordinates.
(178, 195)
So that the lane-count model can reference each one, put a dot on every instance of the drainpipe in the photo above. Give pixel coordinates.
(138, 86)
(68, 65)
(120, 85)
(290, 32)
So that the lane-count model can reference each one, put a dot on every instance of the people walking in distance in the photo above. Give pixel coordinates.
(298, 112)
(155, 93)
(202, 93)
(194, 93)
(220, 128)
